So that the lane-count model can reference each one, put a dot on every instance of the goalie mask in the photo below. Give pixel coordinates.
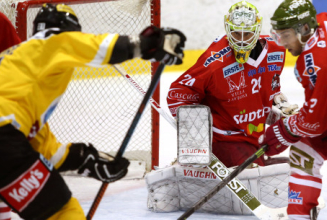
(60, 16)
(243, 26)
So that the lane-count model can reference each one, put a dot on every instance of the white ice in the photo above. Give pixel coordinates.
(127, 199)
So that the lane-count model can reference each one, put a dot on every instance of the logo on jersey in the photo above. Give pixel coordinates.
(274, 67)
(297, 75)
(275, 57)
(275, 82)
(321, 32)
(237, 91)
(252, 72)
(233, 86)
(179, 95)
(232, 69)
(250, 128)
(27, 186)
(34, 129)
(269, 38)
(248, 117)
(217, 56)
(294, 197)
(310, 68)
(321, 44)
(311, 42)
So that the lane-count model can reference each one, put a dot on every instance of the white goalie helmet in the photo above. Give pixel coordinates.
(243, 26)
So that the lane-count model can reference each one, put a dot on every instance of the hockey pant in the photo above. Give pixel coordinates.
(305, 181)
(29, 184)
(234, 153)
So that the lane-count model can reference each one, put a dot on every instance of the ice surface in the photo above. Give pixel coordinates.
(127, 199)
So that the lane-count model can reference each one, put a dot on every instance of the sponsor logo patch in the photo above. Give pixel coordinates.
(179, 95)
(310, 68)
(294, 197)
(244, 117)
(26, 187)
(275, 57)
(232, 69)
(199, 174)
(321, 44)
(217, 56)
(274, 67)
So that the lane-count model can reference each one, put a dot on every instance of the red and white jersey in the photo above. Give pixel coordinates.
(8, 36)
(239, 95)
(311, 72)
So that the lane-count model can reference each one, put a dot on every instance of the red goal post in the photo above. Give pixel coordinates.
(99, 105)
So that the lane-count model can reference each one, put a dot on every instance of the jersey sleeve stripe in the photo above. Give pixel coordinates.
(105, 51)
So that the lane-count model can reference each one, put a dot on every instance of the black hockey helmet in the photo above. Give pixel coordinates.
(60, 16)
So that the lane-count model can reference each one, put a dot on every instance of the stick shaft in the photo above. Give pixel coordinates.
(152, 87)
(224, 182)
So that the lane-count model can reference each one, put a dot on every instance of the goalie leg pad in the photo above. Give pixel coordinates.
(163, 190)
(28, 182)
(269, 184)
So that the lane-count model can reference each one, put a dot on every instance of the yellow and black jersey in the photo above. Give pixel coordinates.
(35, 74)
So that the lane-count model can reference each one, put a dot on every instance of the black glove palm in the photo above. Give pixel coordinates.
(103, 166)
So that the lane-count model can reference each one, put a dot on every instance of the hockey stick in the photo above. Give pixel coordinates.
(128, 136)
(221, 171)
(229, 176)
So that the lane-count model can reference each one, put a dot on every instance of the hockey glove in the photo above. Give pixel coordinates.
(102, 166)
(277, 138)
(164, 44)
(281, 108)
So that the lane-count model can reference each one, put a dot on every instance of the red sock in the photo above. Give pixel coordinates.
(303, 195)
(5, 212)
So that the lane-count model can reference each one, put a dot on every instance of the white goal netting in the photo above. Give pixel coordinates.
(99, 105)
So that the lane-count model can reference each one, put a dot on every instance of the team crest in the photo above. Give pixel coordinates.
(275, 82)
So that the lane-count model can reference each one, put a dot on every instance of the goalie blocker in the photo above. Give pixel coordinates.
(194, 134)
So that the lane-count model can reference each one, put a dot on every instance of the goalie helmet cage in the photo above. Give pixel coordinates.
(99, 105)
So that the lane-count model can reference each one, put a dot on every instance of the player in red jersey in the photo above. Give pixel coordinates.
(8, 38)
(296, 27)
(238, 78)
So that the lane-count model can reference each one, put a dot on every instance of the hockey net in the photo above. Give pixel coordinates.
(99, 105)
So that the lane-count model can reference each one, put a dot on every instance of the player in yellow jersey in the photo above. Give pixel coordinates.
(34, 76)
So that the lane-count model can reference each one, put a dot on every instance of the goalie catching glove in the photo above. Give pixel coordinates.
(281, 108)
(162, 44)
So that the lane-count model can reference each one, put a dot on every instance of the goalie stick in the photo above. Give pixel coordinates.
(128, 136)
(222, 172)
